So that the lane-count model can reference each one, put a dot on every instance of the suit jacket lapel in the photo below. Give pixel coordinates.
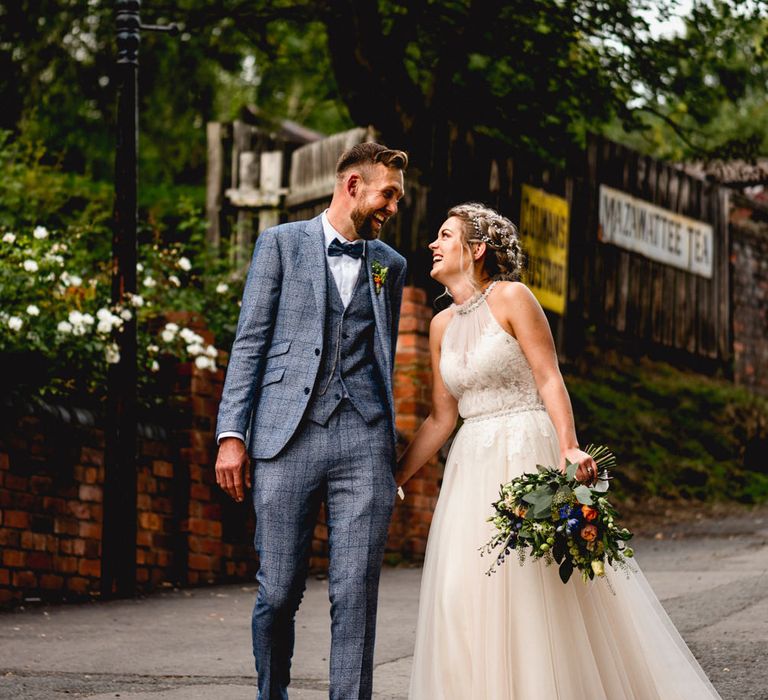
(380, 313)
(313, 262)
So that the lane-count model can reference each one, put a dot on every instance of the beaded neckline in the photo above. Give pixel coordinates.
(474, 301)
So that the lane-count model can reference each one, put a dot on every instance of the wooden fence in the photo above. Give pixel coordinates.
(646, 299)
(652, 303)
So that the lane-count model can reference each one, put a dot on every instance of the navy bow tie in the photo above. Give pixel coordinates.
(354, 250)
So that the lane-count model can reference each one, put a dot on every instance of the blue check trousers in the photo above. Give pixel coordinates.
(349, 465)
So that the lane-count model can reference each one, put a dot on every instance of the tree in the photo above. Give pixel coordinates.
(705, 89)
(57, 61)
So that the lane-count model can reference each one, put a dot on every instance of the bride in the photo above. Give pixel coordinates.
(520, 633)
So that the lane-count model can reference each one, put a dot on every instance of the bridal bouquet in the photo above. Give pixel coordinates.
(551, 516)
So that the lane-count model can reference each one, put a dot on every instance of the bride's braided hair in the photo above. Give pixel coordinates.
(504, 257)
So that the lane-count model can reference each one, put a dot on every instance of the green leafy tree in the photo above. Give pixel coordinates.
(57, 86)
(704, 89)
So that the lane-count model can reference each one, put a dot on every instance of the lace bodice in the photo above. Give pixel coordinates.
(483, 366)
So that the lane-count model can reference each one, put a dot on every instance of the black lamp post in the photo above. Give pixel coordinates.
(118, 556)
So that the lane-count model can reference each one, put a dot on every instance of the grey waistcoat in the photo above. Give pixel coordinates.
(348, 368)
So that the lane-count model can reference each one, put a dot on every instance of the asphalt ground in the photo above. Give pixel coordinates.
(711, 575)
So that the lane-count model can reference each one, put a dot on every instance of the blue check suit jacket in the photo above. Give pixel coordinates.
(279, 342)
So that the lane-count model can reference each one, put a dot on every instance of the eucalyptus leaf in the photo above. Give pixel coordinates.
(570, 470)
(583, 495)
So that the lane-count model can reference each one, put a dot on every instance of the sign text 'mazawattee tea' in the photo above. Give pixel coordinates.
(656, 233)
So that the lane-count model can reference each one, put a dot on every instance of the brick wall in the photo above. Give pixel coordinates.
(188, 531)
(749, 268)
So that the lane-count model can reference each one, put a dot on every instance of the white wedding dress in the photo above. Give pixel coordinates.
(521, 634)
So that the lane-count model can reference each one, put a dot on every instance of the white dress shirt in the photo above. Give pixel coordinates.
(344, 269)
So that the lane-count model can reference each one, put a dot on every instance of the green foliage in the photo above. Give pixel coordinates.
(58, 325)
(675, 433)
(704, 91)
(58, 84)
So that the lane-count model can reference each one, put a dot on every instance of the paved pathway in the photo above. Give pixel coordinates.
(712, 577)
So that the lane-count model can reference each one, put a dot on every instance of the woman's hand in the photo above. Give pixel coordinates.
(587, 471)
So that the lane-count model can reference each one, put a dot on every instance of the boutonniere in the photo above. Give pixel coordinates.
(379, 275)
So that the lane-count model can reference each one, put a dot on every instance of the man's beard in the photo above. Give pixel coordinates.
(363, 224)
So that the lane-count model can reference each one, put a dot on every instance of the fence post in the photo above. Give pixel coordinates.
(213, 183)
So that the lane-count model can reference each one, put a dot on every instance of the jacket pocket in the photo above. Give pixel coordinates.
(279, 348)
(272, 376)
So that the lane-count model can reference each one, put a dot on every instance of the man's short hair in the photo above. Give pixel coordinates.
(369, 153)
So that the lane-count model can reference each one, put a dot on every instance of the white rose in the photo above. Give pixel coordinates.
(112, 353)
(88, 319)
(126, 315)
(212, 352)
(33, 310)
(64, 327)
(40, 232)
(9, 237)
(168, 336)
(75, 281)
(104, 326)
(15, 323)
(155, 366)
(185, 264)
(202, 362)
(75, 318)
(30, 266)
(149, 282)
(137, 300)
(153, 348)
(190, 337)
(195, 349)
(103, 314)
(139, 267)
(222, 288)
(175, 281)
(172, 327)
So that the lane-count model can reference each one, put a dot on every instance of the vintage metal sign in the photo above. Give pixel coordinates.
(656, 233)
(544, 221)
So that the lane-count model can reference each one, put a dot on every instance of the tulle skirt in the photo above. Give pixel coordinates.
(521, 633)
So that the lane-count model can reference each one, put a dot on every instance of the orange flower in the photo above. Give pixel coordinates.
(589, 533)
(589, 513)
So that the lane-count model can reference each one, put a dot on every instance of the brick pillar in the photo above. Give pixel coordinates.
(749, 273)
(413, 393)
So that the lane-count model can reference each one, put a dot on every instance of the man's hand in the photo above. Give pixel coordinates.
(233, 467)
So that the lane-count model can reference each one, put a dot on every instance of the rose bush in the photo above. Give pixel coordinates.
(58, 326)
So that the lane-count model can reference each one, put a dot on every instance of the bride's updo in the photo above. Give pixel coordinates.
(504, 256)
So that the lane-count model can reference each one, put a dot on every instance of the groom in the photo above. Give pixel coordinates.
(310, 381)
